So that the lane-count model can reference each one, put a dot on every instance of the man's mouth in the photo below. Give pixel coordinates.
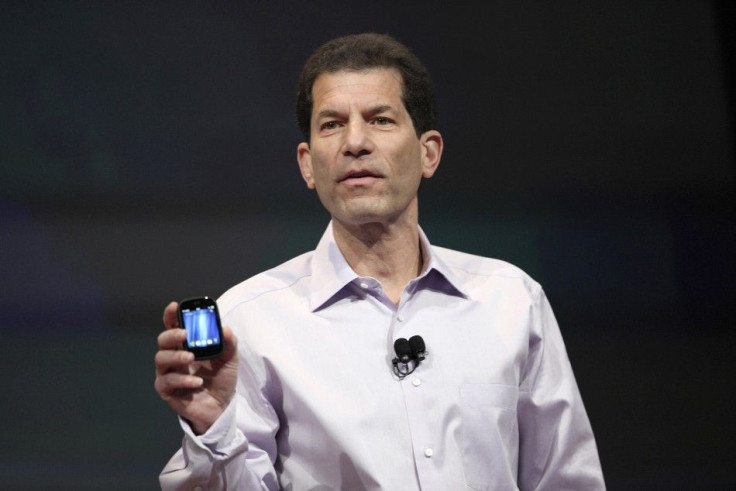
(360, 177)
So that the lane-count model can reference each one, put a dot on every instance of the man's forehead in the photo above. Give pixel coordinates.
(376, 81)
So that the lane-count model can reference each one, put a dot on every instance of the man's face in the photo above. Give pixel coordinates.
(364, 157)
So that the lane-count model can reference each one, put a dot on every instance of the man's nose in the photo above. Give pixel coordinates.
(357, 139)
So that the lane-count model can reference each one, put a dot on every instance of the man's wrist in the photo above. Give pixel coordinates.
(218, 432)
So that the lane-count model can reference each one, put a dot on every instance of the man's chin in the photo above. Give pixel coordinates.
(365, 218)
(360, 211)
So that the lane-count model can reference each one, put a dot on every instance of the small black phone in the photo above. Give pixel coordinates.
(201, 319)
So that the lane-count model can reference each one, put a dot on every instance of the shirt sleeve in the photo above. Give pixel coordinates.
(557, 449)
(237, 452)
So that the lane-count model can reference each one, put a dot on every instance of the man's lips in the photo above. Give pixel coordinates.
(358, 177)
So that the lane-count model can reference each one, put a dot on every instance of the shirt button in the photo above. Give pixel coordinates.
(363, 285)
(428, 453)
(416, 382)
(400, 318)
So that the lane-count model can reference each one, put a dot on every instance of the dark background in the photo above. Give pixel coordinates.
(147, 152)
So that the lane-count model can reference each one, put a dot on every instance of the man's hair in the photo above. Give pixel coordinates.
(363, 52)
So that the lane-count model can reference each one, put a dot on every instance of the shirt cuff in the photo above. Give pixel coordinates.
(221, 438)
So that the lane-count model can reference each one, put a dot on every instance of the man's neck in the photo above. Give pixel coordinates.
(389, 253)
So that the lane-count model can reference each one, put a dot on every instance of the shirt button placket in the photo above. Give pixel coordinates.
(414, 394)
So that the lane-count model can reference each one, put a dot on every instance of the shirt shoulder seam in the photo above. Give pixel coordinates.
(266, 291)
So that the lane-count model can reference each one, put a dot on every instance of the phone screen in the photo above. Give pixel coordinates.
(201, 320)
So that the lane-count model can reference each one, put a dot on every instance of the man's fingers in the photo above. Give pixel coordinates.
(169, 360)
(172, 339)
(171, 318)
(171, 382)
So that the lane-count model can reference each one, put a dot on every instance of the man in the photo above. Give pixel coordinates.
(307, 397)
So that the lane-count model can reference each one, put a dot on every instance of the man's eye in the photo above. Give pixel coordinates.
(330, 125)
(382, 121)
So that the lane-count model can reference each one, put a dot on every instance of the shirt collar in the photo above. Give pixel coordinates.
(331, 273)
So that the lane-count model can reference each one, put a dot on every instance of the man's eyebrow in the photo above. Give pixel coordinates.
(334, 113)
(379, 109)
(327, 113)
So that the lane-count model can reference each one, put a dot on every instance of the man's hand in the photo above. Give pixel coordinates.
(198, 391)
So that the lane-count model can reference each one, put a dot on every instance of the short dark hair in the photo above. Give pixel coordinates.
(363, 52)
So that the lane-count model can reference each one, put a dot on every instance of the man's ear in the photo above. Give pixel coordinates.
(304, 157)
(432, 145)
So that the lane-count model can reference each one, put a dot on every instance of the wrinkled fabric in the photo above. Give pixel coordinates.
(494, 406)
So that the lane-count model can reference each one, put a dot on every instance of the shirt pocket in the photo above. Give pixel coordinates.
(489, 435)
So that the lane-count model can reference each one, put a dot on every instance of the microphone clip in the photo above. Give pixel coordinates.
(409, 355)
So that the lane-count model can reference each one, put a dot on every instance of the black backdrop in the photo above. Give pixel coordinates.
(147, 153)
